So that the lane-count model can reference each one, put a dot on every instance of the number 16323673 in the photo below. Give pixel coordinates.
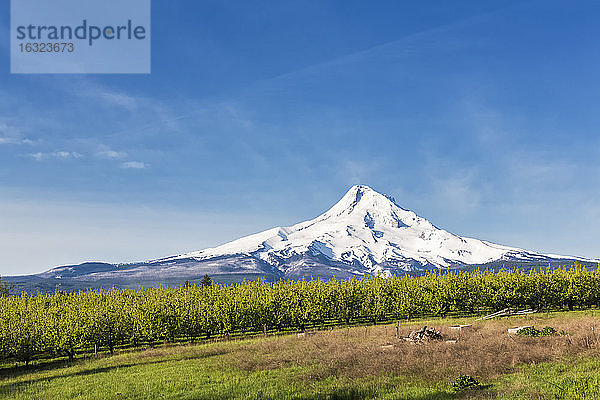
(46, 47)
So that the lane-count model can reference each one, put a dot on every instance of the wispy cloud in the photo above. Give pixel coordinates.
(12, 135)
(61, 155)
(135, 165)
(118, 99)
(106, 152)
(88, 88)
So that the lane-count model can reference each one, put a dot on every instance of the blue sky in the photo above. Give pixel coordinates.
(480, 116)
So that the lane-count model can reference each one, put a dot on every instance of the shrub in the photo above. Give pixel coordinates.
(531, 331)
(463, 382)
(547, 331)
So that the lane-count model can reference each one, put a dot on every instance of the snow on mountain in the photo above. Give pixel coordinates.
(368, 230)
(365, 233)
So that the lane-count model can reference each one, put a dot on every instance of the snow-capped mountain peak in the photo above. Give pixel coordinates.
(364, 233)
(368, 231)
(373, 207)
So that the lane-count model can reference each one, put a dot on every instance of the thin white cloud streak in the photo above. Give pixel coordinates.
(112, 154)
(119, 99)
(135, 165)
(106, 152)
(60, 155)
(87, 88)
(132, 115)
(12, 135)
(411, 43)
(153, 112)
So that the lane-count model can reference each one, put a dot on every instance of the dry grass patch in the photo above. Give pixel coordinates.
(485, 350)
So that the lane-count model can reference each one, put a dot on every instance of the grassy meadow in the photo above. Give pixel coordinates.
(364, 362)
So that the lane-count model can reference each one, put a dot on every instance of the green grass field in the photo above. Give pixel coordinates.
(346, 363)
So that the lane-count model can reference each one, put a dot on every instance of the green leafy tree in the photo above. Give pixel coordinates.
(68, 324)
(206, 281)
(6, 288)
